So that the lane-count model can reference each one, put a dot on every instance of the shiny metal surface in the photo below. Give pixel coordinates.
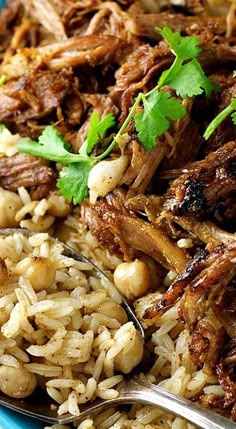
(131, 391)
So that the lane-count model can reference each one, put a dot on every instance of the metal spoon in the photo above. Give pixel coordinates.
(130, 391)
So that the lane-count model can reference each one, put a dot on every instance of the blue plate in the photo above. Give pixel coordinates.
(2, 3)
(11, 420)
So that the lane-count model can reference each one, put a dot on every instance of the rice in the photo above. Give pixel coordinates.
(75, 335)
(62, 336)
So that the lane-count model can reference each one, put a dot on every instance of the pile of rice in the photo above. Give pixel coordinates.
(73, 336)
(71, 332)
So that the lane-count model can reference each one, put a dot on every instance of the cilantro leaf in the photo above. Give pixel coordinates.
(191, 80)
(73, 180)
(187, 78)
(97, 131)
(152, 121)
(51, 146)
(3, 79)
(183, 47)
(220, 118)
(234, 118)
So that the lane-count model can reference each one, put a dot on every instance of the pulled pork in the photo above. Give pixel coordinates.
(63, 60)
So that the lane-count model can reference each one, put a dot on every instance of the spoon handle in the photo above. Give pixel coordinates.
(154, 395)
(142, 392)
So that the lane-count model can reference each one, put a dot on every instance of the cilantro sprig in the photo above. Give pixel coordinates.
(229, 110)
(3, 79)
(73, 178)
(185, 75)
(152, 113)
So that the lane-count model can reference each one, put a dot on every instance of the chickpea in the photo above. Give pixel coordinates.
(156, 270)
(39, 271)
(62, 231)
(17, 382)
(114, 310)
(3, 272)
(130, 356)
(58, 205)
(132, 278)
(10, 203)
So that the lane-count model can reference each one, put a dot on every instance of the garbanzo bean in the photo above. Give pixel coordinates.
(40, 271)
(10, 203)
(131, 355)
(112, 309)
(132, 278)
(58, 205)
(17, 382)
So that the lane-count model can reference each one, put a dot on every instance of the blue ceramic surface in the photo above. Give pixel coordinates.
(11, 420)
(2, 3)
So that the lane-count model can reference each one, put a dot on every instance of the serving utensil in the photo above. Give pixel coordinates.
(135, 390)
(131, 391)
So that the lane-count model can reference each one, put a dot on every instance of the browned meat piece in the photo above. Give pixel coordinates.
(198, 266)
(131, 79)
(74, 52)
(197, 306)
(44, 12)
(145, 24)
(209, 285)
(205, 185)
(143, 167)
(34, 96)
(177, 288)
(225, 371)
(207, 231)
(130, 232)
(103, 234)
(206, 341)
(202, 286)
(30, 172)
(7, 17)
(226, 310)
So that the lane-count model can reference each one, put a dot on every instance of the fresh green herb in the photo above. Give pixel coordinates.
(234, 118)
(2, 127)
(3, 79)
(156, 108)
(151, 113)
(97, 131)
(185, 75)
(73, 178)
(229, 110)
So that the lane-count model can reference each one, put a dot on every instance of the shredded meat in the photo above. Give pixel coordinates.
(25, 170)
(174, 206)
(34, 96)
(205, 185)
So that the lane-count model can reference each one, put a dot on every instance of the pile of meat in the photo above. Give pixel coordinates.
(65, 59)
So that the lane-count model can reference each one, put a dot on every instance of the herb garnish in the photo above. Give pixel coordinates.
(151, 113)
(3, 79)
(229, 110)
(73, 178)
